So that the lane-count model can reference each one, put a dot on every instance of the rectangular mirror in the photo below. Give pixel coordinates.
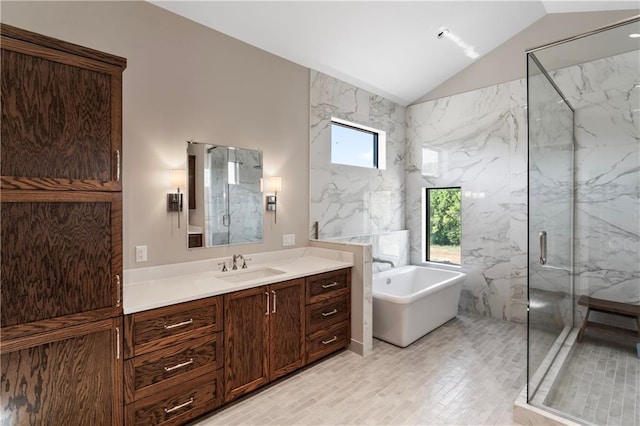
(224, 197)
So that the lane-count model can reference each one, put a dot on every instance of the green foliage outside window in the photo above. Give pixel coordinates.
(444, 212)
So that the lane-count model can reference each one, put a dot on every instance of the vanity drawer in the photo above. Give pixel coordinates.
(179, 404)
(150, 373)
(330, 311)
(330, 284)
(159, 328)
(323, 342)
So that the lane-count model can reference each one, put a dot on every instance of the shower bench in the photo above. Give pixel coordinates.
(627, 310)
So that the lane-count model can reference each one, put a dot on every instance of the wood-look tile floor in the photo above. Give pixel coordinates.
(469, 371)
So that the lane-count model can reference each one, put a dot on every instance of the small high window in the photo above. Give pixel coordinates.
(356, 145)
(443, 225)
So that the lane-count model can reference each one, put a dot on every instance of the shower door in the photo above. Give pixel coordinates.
(551, 199)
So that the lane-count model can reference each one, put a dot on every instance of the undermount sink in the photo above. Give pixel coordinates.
(248, 274)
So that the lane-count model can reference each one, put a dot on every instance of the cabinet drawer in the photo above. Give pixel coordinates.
(178, 405)
(330, 284)
(163, 327)
(324, 342)
(330, 311)
(149, 373)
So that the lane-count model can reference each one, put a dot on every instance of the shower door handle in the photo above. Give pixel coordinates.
(543, 247)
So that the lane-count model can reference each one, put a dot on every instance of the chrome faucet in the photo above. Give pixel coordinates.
(236, 258)
(378, 260)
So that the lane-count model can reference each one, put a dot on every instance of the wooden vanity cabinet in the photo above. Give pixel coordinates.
(328, 312)
(174, 361)
(264, 335)
(61, 236)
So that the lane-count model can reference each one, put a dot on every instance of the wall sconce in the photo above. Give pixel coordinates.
(271, 184)
(174, 199)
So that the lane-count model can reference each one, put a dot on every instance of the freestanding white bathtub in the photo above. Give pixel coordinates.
(411, 301)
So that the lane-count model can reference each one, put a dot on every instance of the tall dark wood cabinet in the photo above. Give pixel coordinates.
(61, 236)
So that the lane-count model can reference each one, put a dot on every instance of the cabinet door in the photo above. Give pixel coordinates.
(286, 327)
(61, 115)
(61, 259)
(246, 343)
(71, 376)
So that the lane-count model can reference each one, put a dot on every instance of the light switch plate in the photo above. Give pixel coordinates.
(289, 240)
(141, 254)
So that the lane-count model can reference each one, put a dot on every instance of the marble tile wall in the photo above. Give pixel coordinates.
(481, 137)
(606, 97)
(348, 200)
(481, 141)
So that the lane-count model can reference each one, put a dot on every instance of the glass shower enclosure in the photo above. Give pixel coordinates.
(583, 106)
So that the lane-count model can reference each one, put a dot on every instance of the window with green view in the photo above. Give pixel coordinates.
(443, 225)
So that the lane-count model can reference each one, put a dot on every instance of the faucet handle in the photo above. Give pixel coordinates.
(224, 266)
(244, 262)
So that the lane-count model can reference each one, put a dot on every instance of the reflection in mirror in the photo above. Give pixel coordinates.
(225, 202)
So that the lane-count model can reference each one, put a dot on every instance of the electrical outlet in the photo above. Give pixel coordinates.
(289, 240)
(141, 253)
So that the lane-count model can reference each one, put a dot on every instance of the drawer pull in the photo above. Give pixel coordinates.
(177, 407)
(180, 324)
(333, 339)
(328, 314)
(333, 284)
(182, 364)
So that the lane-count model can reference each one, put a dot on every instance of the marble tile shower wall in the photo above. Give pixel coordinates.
(606, 96)
(481, 140)
(347, 200)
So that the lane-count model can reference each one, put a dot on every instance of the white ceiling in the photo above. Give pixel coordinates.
(387, 47)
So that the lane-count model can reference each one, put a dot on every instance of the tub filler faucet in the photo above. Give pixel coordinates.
(378, 260)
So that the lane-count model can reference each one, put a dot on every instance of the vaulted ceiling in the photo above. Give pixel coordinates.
(390, 48)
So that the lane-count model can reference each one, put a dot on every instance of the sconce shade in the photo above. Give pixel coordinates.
(178, 178)
(271, 184)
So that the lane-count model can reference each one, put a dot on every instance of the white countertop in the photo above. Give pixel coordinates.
(154, 287)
